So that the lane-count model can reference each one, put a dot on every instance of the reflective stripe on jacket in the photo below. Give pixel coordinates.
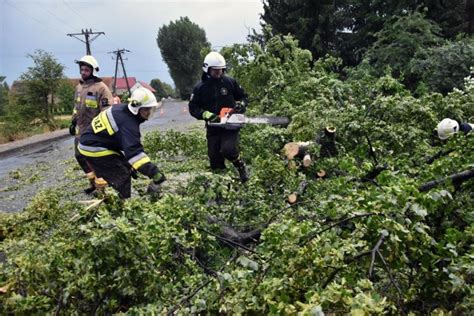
(91, 97)
(114, 131)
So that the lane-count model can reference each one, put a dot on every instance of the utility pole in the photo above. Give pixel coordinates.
(118, 56)
(86, 33)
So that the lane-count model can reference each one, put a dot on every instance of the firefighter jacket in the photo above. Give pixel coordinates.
(91, 97)
(116, 131)
(214, 94)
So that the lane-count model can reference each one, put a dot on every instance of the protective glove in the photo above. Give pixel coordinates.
(154, 188)
(134, 173)
(240, 107)
(159, 178)
(210, 117)
(72, 128)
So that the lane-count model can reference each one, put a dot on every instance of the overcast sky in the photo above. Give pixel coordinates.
(131, 24)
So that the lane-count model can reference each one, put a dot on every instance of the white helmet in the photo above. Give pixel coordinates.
(447, 128)
(89, 61)
(213, 60)
(142, 98)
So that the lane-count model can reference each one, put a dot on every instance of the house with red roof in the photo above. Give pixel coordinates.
(144, 85)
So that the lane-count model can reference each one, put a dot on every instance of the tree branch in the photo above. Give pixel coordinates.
(439, 154)
(456, 178)
(345, 220)
(185, 299)
(374, 252)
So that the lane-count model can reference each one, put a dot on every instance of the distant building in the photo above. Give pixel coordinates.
(121, 85)
(139, 84)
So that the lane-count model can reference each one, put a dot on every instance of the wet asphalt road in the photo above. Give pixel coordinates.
(53, 164)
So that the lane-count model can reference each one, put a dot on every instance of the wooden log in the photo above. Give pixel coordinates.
(321, 173)
(307, 160)
(293, 197)
(296, 149)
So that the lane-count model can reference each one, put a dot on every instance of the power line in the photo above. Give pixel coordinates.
(87, 22)
(31, 17)
(58, 18)
(87, 40)
(118, 56)
(75, 12)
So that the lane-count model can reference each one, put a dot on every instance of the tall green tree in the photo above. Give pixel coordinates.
(163, 90)
(313, 23)
(180, 44)
(65, 97)
(346, 28)
(444, 67)
(3, 95)
(399, 40)
(41, 82)
(364, 18)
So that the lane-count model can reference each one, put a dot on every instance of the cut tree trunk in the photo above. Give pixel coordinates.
(293, 197)
(296, 149)
(328, 142)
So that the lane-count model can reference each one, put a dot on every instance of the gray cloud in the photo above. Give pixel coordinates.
(41, 24)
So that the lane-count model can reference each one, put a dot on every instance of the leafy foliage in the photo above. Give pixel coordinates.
(364, 239)
(444, 67)
(400, 40)
(65, 98)
(346, 28)
(180, 44)
(41, 82)
(163, 90)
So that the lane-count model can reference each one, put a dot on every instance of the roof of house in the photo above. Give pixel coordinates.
(122, 84)
(146, 85)
(109, 82)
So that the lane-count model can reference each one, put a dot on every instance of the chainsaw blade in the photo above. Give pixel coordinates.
(271, 120)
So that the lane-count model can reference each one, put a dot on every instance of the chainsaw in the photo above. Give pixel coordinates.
(228, 119)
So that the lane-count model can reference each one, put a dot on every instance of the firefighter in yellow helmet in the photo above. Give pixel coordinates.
(91, 97)
(112, 145)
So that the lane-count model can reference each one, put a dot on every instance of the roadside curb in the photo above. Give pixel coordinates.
(32, 142)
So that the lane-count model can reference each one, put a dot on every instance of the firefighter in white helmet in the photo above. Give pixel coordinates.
(112, 145)
(214, 92)
(448, 127)
(91, 97)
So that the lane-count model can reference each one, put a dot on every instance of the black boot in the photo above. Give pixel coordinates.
(242, 169)
(91, 189)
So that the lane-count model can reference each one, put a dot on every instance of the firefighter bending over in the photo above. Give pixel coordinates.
(117, 130)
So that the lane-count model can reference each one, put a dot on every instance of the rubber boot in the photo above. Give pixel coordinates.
(242, 169)
(100, 185)
(91, 177)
